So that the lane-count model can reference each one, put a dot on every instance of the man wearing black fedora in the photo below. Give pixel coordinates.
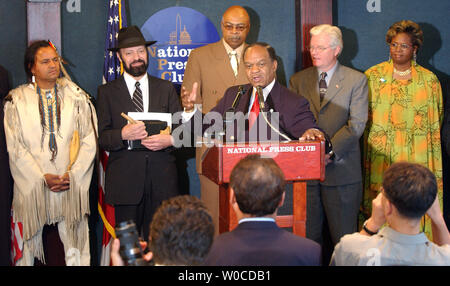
(136, 180)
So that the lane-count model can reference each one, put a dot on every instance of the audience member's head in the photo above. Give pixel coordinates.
(258, 185)
(181, 232)
(411, 188)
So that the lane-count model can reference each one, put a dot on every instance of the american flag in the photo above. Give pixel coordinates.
(16, 240)
(115, 21)
(111, 70)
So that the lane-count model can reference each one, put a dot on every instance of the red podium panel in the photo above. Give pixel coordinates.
(300, 161)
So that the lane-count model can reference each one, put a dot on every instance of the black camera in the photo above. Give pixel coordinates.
(130, 249)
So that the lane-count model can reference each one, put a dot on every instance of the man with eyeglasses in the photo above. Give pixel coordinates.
(216, 67)
(338, 98)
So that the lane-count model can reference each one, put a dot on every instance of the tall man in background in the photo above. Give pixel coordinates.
(216, 67)
(338, 98)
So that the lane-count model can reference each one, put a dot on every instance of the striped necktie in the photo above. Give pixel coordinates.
(234, 62)
(137, 98)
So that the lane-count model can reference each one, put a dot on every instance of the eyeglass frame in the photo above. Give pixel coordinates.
(402, 46)
(320, 49)
(231, 27)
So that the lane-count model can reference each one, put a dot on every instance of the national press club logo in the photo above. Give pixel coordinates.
(177, 30)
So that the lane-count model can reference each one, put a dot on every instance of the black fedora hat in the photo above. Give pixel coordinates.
(130, 37)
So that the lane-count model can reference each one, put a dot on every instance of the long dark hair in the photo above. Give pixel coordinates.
(30, 56)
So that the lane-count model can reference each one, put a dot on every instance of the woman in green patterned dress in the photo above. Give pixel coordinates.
(405, 113)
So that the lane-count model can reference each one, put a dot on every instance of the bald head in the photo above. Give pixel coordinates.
(235, 26)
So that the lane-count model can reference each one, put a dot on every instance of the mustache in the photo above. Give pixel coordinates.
(137, 61)
(234, 37)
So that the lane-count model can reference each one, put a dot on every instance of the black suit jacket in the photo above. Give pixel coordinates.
(295, 116)
(126, 170)
(262, 244)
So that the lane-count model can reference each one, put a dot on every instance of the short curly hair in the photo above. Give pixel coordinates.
(406, 26)
(181, 232)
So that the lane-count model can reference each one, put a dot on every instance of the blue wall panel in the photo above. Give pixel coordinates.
(273, 21)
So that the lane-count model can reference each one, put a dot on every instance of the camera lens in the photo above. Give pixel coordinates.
(130, 249)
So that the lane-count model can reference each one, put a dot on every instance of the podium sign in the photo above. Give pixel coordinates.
(299, 161)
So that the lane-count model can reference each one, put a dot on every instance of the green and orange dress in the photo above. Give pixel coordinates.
(404, 123)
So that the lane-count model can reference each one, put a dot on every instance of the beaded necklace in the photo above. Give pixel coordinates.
(52, 111)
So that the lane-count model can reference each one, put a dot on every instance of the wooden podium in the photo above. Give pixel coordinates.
(300, 162)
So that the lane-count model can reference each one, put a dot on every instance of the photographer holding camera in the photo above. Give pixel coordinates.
(181, 233)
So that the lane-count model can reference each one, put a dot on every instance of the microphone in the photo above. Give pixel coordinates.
(241, 91)
(226, 119)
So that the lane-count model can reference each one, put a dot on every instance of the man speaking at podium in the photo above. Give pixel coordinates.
(296, 121)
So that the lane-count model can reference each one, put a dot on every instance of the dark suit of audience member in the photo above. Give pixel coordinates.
(5, 181)
(257, 186)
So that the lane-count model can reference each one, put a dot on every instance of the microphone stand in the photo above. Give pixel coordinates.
(227, 121)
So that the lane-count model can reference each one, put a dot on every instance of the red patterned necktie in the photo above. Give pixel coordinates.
(253, 112)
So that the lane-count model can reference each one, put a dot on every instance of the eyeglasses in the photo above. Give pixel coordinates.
(238, 27)
(402, 46)
(318, 48)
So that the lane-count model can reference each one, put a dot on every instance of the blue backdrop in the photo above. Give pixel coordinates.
(273, 21)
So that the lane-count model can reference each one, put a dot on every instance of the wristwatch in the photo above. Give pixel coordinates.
(332, 155)
(367, 230)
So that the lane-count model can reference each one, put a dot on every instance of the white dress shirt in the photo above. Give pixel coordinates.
(131, 85)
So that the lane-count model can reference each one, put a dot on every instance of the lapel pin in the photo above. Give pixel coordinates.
(271, 110)
(337, 85)
(382, 80)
